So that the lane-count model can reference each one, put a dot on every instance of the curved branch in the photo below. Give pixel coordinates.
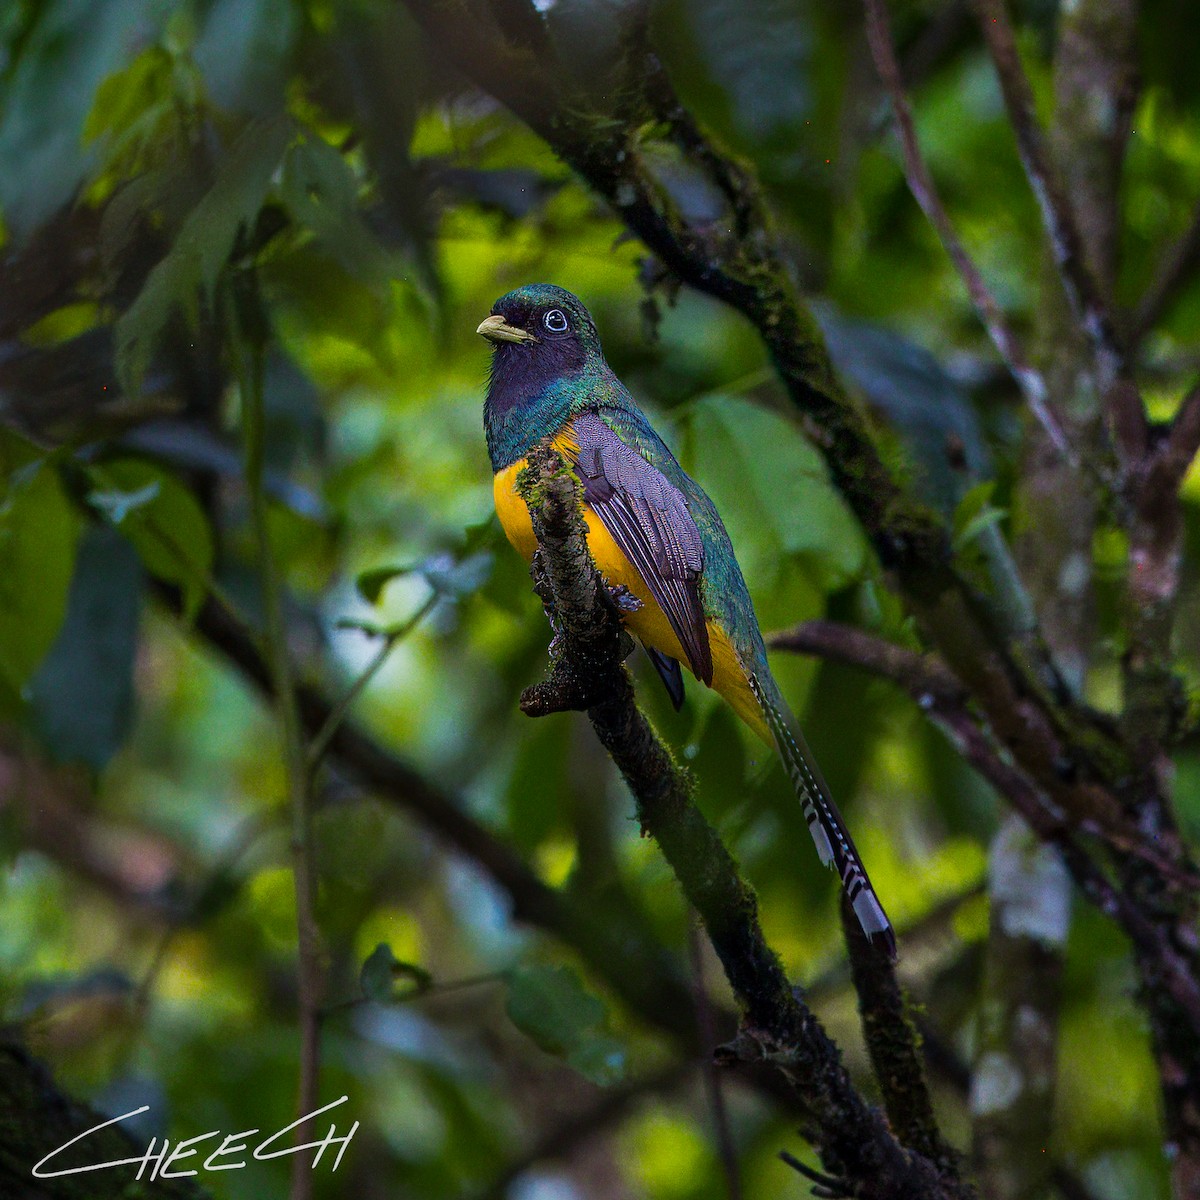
(587, 671)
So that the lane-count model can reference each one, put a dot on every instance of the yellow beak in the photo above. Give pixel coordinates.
(496, 329)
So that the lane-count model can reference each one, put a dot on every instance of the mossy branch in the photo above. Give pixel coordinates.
(588, 672)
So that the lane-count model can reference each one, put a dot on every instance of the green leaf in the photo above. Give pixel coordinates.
(54, 57)
(82, 694)
(974, 514)
(382, 969)
(551, 1006)
(370, 584)
(167, 526)
(321, 192)
(446, 574)
(187, 276)
(773, 491)
(599, 1058)
(38, 531)
(117, 505)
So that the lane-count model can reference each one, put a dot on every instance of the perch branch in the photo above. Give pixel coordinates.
(894, 1047)
(588, 670)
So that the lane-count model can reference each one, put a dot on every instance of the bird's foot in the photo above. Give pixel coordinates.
(622, 599)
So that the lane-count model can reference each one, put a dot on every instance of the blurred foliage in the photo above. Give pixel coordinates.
(149, 144)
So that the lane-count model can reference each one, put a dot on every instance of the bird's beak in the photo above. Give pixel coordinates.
(496, 329)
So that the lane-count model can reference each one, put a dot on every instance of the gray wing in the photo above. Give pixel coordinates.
(648, 518)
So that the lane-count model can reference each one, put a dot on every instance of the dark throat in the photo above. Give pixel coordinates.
(528, 396)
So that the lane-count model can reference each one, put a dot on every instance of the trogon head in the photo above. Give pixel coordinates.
(540, 330)
(543, 342)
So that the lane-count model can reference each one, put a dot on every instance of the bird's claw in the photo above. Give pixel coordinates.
(623, 600)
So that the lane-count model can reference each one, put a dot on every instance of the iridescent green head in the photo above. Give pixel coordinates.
(544, 349)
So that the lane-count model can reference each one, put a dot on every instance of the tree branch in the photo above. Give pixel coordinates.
(943, 704)
(587, 670)
(1155, 702)
(1066, 242)
(894, 1047)
(38, 1118)
(1176, 268)
(920, 183)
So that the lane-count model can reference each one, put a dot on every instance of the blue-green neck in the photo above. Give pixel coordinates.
(519, 412)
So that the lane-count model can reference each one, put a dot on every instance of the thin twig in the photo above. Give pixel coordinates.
(1058, 217)
(1183, 439)
(1176, 267)
(319, 744)
(248, 356)
(920, 182)
(712, 1076)
(922, 675)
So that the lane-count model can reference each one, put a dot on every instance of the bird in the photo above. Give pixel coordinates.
(656, 539)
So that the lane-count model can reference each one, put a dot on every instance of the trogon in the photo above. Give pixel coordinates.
(653, 530)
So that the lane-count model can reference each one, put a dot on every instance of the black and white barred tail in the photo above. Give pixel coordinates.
(834, 844)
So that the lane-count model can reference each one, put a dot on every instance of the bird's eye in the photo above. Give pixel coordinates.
(555, 321)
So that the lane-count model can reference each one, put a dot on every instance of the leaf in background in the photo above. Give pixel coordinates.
(194, 447)
(767, 479)
(381, 971)
(169, 529)
(321, 192)
(922, 402)
(380, 66)
(38, 531)
(720, 761)
(243, 52)
(937, 423)
(551, 1006)
(82, 694)
(187, 275)
(975, 513)
(445, 573)
(117, 505)
(757, 74)
(65, 52)
(536, 783)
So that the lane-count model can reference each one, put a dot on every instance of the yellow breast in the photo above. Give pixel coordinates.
(649, 623)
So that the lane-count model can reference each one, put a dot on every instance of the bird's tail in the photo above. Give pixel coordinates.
(833, 841)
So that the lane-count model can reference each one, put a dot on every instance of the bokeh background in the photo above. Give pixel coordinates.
(147, 924)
